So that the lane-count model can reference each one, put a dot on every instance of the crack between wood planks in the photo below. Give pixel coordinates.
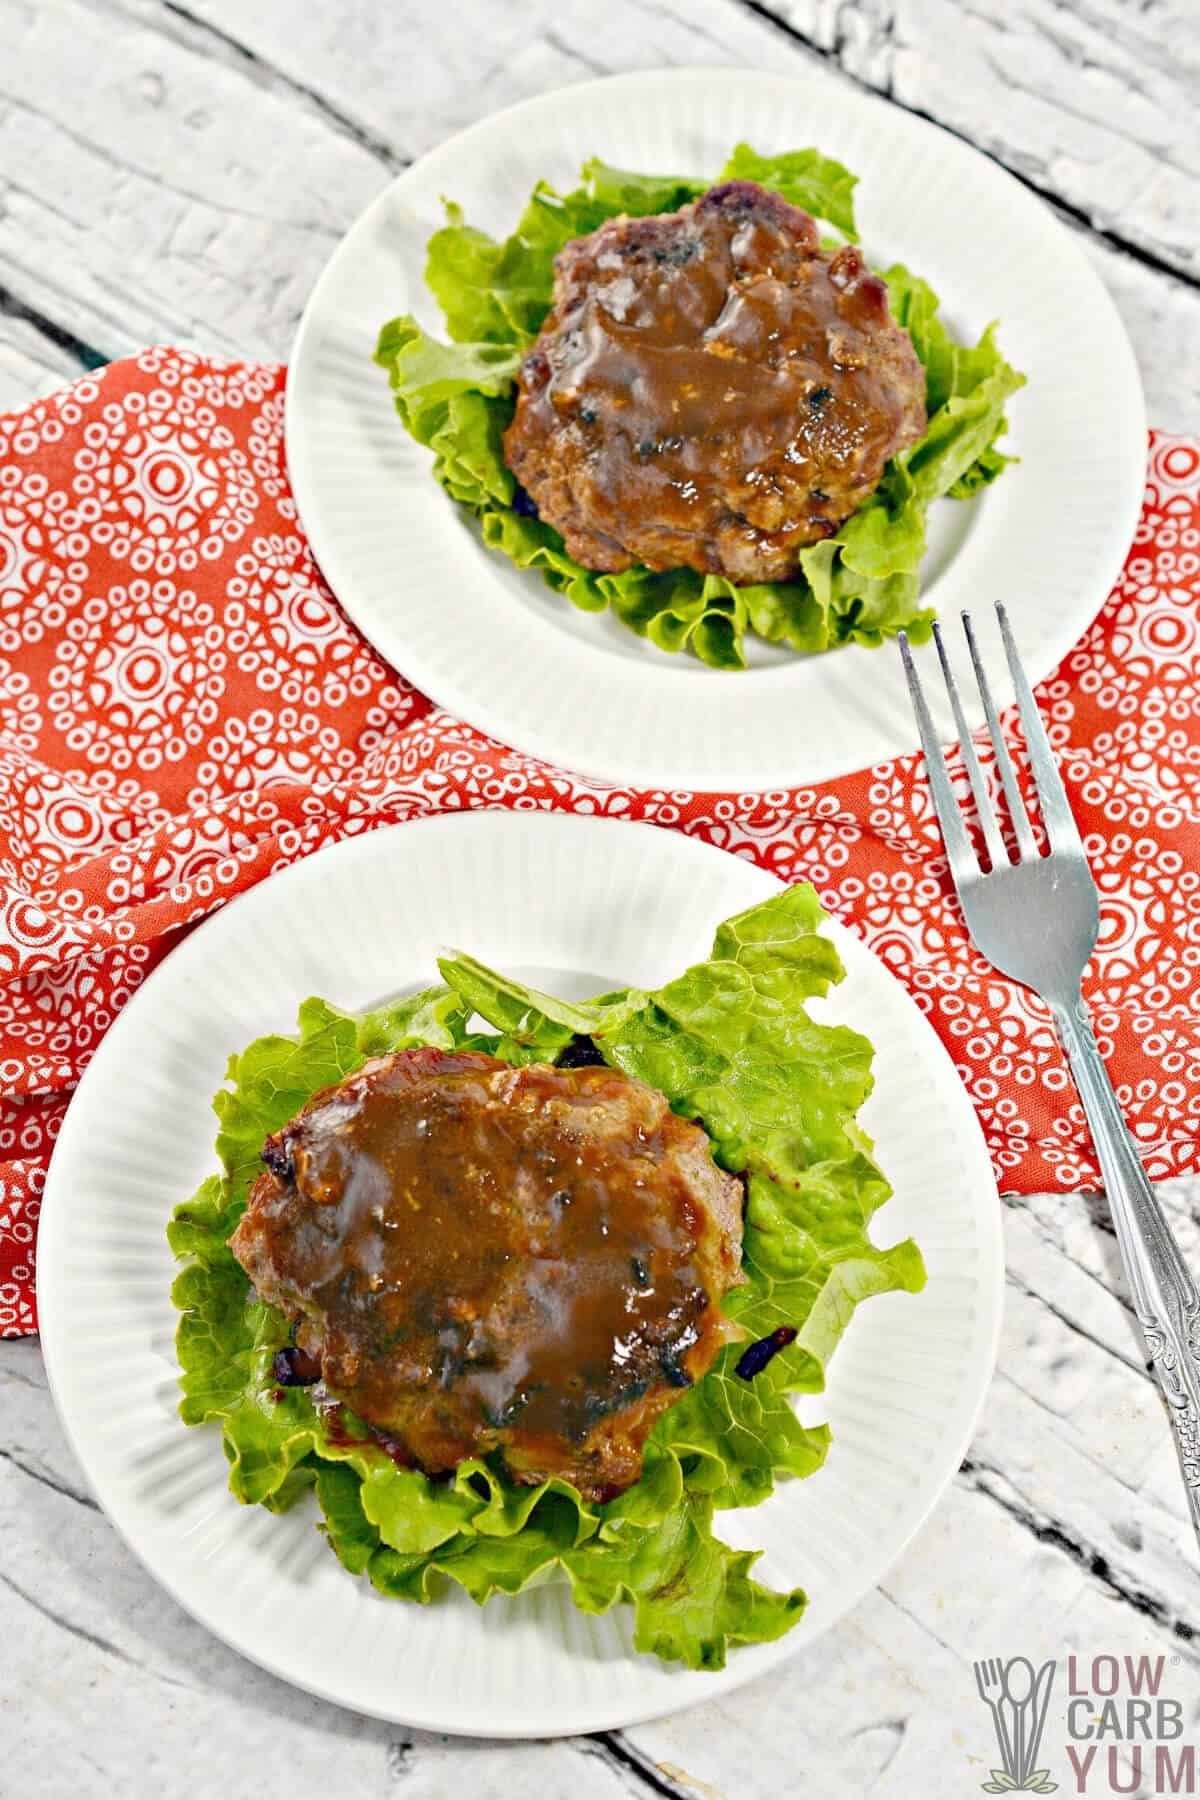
(1093, 1562)
(571, 53)
(224, 209)
(611, 1749)
(1093, 1455)
(15, 1460)
(1115, 240)
(1116, 34)
(8, 1373)
(103, 1644)
(1158, 152)
(342, 122)
(1100, 1221)
(656, 10)
(85, 354)
(1128, 1360)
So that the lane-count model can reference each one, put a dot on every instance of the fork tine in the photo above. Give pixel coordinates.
(997, 851)
(1061, 828)
(963, 862)
(1026, 842)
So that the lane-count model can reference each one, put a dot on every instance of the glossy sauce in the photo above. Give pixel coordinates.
(729, 392)
(477, 1237)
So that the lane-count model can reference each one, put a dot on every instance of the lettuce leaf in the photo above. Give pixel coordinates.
(731, 1044)
(807, 179)
(499, 292)
(613, 191)
(861, 586)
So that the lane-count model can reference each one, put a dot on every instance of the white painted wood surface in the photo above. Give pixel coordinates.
(173, 172)
(181, 172)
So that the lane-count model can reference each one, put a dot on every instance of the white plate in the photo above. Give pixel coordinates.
(584, 905)
(500, 649)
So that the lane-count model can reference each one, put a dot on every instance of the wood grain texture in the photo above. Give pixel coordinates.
(182, 171)
(1094, 103)
(29, 363)
(1065, 1530)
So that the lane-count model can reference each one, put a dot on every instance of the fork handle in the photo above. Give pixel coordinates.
(1165, 1296)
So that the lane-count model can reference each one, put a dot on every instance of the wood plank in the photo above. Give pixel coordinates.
(113, 1690)
(29, 364)
(1067, 1530)
(183, 175)
(886, 1703)
(1162, 316)
(1093, 103)
(155, 194)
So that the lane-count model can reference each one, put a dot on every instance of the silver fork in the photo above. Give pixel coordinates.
(1036, 920)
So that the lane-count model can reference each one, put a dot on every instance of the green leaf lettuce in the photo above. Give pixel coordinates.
(731, 1044)
(861, 585)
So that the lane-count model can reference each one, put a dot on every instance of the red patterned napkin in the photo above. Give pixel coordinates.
(183, 708)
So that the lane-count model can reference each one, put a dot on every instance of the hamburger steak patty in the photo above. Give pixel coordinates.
(484, 1258)
(711, 390)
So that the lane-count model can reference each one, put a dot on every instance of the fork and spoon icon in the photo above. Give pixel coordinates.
(1018, 1698)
